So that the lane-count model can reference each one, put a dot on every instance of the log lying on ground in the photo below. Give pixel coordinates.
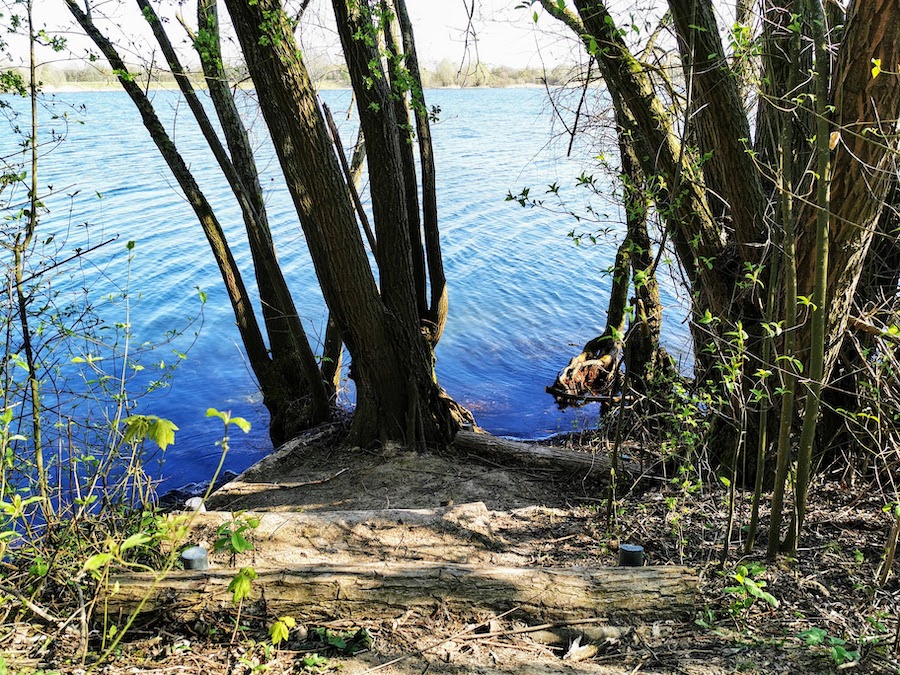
(384, 591)
(582, 464)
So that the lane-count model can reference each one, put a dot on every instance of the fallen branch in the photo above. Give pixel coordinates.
(32, 607)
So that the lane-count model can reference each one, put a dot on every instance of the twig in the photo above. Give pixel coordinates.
(530, 629)
(33, 608)
(467, 630)
(890, 549)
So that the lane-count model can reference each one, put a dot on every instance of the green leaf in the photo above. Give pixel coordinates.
(278, 632)
(813, 636)
(242, 424)
(212, 412)
(840, 655)
(239, 544)
(162, 432)
(134, 540)
(39, 567)
(240, 585)
(96, 561)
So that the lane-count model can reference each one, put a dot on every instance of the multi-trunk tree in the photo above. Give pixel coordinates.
(391, 323)
(772, 158)
(389, 311)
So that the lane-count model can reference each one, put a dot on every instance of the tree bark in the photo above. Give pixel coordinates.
(721, 125)
(397, 396)
(866, 110)
(292, 354)
(293, 388)
(581, 464)
(383, 591)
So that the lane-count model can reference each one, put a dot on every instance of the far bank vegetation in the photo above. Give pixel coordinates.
(444, 74)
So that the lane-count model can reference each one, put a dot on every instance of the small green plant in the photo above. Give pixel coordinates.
(280, 630)
(706, 619)
(231, 536)
(313, 663)
(815, 637)
(749, 588)
(241, 584)
(347, 642)
(258, 657)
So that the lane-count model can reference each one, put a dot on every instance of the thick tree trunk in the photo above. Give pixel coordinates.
(397, 396)
(643, 357)
(383, 591)
(721, 126)
(875, 303)
(866, 110)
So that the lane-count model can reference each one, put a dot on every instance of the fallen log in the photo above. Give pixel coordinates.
(383, 591)
(581, 464)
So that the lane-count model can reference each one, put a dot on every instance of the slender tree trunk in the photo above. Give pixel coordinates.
(251, 336)
(397, 396)
(295, 391)
(286, 371)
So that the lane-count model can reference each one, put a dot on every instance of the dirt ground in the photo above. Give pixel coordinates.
(320, 502)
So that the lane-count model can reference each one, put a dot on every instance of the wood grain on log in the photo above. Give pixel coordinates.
(379, 591)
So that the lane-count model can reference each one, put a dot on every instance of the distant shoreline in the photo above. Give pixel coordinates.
(89, 87)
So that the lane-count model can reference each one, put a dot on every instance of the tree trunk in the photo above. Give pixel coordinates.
(397, 396)
(287, 373)
(866, 110)
(580, 464)
(292, 355)
(251, 336)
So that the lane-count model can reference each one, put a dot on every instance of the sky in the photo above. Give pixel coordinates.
(504, 34)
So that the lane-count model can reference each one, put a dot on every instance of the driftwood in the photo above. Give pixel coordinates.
(582, 464)
(384, 591)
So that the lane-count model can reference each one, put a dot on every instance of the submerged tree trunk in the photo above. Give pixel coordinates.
(593, 372)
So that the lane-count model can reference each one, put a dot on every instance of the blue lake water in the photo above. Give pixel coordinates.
(521, 293)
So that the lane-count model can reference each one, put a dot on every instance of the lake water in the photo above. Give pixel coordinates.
(521, 293)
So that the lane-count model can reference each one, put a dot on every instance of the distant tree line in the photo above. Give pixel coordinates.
(326, 74)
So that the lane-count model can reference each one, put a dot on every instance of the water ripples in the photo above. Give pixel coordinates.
(521, 294)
